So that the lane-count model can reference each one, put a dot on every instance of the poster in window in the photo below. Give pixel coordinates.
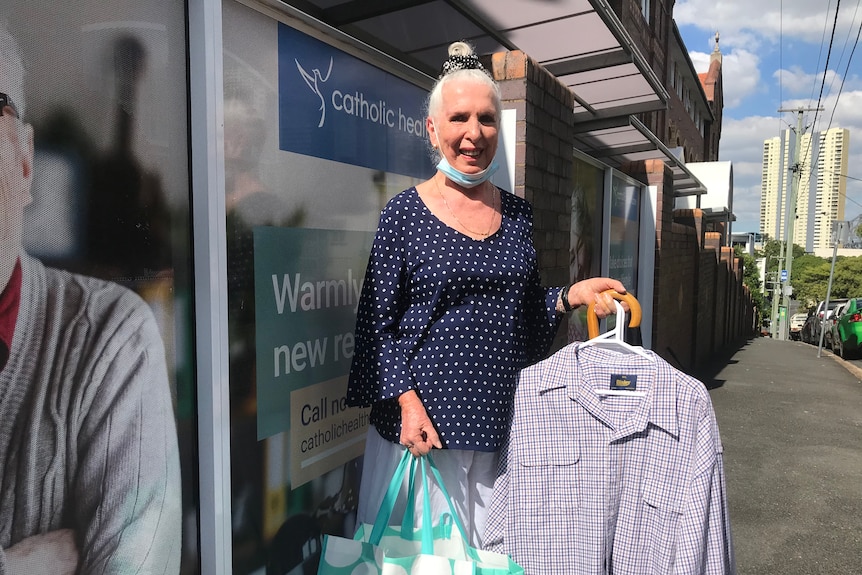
(97, 418)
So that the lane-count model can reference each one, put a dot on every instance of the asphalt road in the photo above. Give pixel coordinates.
(791, 426)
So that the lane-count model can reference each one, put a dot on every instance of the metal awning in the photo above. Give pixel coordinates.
(581, 42)
(718, 214)
(616, 141)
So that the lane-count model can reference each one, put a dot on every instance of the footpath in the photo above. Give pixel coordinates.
(791, 426)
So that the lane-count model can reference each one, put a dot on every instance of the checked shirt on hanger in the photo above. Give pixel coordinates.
(602, 484)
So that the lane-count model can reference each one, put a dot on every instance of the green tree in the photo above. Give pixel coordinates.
(751, 278)
(847, 279)
(805, 262)
(809, 285)
(773, 253)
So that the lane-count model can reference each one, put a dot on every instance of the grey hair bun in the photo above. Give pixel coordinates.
(461, 49)
(461, 57)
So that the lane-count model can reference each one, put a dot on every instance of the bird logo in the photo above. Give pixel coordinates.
(314, 79)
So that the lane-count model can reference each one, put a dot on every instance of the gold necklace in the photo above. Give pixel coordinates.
(460, 223)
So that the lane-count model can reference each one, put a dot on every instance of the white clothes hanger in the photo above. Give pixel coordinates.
(615, 339)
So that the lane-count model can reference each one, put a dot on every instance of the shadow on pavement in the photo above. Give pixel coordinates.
(710, 370)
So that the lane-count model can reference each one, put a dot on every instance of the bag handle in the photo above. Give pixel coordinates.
(426, 532)
(411, 496)
(388, 503)
(439, 479)
(427, 525)
(471, 551)
(407, 465)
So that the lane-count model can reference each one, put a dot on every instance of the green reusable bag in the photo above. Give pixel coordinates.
(383, 549)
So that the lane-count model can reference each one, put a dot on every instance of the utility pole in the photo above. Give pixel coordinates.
(776, 289)
(838, 232)
(790, 217)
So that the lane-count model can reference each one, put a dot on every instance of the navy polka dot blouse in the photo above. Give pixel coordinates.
(452, 318)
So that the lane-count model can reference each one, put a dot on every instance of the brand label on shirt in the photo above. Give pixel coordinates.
(624, 382)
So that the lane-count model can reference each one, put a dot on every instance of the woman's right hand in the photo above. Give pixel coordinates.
(592, 290)
(417, 432)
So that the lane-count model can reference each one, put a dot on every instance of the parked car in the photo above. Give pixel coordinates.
(831, 325)
(797, 320)
(847, 335)
(811, 329)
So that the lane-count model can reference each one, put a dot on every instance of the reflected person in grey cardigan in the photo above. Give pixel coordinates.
(89, 464)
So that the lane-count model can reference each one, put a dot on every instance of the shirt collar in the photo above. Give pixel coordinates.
(10, 301)
(659, 407)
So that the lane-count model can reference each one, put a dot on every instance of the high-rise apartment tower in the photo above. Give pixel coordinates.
(823, 159)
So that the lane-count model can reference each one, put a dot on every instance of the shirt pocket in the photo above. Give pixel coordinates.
(549, 482)
(663, 505)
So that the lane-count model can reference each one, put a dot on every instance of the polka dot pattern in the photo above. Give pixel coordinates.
(451, 317)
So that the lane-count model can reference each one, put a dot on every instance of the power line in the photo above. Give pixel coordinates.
(846, 197)
(849, 31)
(820, 53)
(835, 105)
(825, 71)
(841, 175)
(798, 165)
(846, 70)
(780, 56)
(843, 50)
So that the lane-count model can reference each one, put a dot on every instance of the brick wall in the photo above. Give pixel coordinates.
(543, 158)
(695, 278)
(721, 302)
(705, 343)
(699, 304)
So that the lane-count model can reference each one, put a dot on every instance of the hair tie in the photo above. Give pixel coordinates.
(459, 62)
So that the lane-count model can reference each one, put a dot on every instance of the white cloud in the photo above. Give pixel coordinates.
(740, 24)
(744, 68)
(846, 115)
(742, 139)
(754, 34)
(797, 81)
(700, 61)
(741, 65)
(742, 143)
(746, 207)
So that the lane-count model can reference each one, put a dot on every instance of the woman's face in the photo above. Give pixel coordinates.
(465, 128)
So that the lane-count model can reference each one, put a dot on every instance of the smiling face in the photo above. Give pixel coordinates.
(464, 128)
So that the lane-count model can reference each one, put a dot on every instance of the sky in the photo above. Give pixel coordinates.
(774, 57)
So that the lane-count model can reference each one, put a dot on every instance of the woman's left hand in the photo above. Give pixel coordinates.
(591, 290)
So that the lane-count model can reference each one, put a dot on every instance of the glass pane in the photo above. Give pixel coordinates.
(585, 252)
(104, 435)
(316, 142)
(625, 231)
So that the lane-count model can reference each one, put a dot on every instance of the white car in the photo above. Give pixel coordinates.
(797, 320)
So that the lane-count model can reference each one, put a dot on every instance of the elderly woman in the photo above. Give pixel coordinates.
(452, 308)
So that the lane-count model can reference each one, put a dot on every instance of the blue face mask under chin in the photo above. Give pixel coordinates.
(467, 180)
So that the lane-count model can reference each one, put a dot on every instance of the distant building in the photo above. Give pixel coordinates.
(821, 193)
(717, 202)
(711, 80)
(692, 119)
(746, 241)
